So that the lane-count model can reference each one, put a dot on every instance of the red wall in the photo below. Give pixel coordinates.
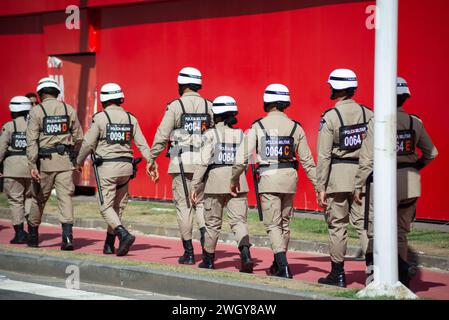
(240, 47)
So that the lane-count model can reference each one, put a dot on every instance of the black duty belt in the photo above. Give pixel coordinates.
(279, 165)
(215, 166)
(15, 153)
(60, 149)
(176, 149)
(407, 165)
(118, 159)
(345, 160)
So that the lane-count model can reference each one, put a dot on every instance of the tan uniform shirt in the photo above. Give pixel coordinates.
(408, 179)
(36, 138)
(218, 179)
(333, 178)
(282, 180)
(15, 166)
(169, 130)
(95, 140)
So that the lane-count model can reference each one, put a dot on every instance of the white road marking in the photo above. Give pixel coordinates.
(54, 292)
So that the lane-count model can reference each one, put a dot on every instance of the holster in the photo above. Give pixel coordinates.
(98, 161)
(135, 162)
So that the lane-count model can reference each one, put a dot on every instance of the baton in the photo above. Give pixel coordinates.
(97, 177)
(369, 180)
(183, 178)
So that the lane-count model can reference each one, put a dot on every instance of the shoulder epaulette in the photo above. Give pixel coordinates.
(93, 116)
(131, 114)
(324, 113)
(172, 101)
(5, 124)
(256, 121)
(366, 107)
(298, 123)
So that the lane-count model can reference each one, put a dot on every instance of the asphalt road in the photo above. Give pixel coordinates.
(17, 286)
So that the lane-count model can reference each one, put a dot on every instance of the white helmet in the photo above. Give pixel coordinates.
(19, 104)
(402, 87)
(47, 83)
(189, 75)
(276, 93)
(224, 104)
(341, 79)
(111, 91)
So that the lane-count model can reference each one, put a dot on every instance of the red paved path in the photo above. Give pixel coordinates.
(305, 266)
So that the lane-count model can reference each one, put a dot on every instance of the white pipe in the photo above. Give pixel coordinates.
(385, 203)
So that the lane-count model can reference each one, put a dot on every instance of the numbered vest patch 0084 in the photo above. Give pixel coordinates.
(19, 140)
(225, 153)
(119, 133)
(56, 125)
(278, 148)
(195, 123)
(351, 137)
(405, 143)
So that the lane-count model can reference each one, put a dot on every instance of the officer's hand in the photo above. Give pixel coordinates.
(235, 188)
(35, 175)
(152, 171)
(78, 167)
(358, 197)
(193, 196)
(322, 199)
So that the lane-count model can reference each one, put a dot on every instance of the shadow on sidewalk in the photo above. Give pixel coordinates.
(418, 285)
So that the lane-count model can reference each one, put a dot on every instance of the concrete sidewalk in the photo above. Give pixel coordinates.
(307, 267)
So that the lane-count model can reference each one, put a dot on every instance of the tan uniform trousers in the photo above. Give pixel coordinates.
(341, 210)
(18, 192)
(406, 215)
(115, 199)
(184, 214)
(237, 212)
(277, 211)
(62, 181)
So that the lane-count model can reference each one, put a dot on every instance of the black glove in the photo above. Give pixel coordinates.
(420, 164)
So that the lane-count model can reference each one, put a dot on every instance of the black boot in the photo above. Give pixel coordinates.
(202, 238)
(208, 260)
(67, 237)
(336, 277)
(274, 267)
(188, 257)
(247, 263)
(369, 261)
(283, 268)
(109, 244)
(126, 240)
(20, 236)
(33, 236)
(403, 273)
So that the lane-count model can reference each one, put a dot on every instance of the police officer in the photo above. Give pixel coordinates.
(16, 173)
(184, 121)
(110, 137)
(411, 135)
(218, 155)
(278, 141)
(340, 136)
(54, 135)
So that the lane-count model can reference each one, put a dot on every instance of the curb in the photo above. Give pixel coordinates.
(353, 252)
(162, 282)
